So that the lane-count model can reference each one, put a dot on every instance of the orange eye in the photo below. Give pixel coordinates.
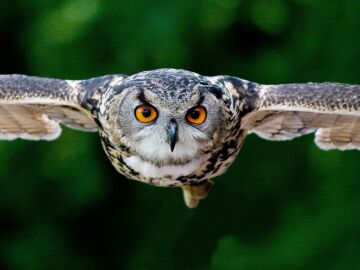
(196, 115)
(146, 113)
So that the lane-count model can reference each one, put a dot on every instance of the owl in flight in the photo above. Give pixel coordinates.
(176, 128)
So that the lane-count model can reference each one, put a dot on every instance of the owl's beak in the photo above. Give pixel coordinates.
(172, 130)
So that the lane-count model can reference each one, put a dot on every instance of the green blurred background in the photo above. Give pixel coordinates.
(282, 205)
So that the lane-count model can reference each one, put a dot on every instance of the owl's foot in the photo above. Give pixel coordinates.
(194, 193)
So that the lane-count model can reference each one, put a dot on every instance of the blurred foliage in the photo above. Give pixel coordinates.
(285, 205)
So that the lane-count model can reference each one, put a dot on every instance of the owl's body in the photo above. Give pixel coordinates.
(197, 155)
(175, 128)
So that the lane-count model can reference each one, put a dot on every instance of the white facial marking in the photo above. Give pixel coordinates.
(184, 160)
(153, 148)
(149, 170)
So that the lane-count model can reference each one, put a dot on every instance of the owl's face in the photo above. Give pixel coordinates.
(168, 121)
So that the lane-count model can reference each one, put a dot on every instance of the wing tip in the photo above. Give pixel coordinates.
(327, 146)
(32, 137)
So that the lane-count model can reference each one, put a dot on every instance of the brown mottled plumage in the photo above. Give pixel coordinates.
(170, 151)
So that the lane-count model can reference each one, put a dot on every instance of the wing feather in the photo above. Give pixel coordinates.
(32, 107)
(331, 110)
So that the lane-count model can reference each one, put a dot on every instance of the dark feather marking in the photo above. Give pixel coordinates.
(89, 88)
(217, 91)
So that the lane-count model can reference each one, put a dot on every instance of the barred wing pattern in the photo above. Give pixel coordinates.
(331, 110)
(32, 107)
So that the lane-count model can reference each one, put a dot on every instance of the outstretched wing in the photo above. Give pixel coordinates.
(32, 107)
(331, 110)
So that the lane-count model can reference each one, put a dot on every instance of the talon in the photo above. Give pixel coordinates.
(194, 193)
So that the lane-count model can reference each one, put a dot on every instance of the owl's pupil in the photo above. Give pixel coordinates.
(194, 114)
(146, 113)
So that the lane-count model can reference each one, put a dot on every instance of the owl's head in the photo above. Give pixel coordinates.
(166, 123)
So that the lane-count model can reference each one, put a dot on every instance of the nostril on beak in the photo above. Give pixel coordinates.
(172, 130)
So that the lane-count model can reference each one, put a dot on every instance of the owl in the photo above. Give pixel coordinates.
(176, 128)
